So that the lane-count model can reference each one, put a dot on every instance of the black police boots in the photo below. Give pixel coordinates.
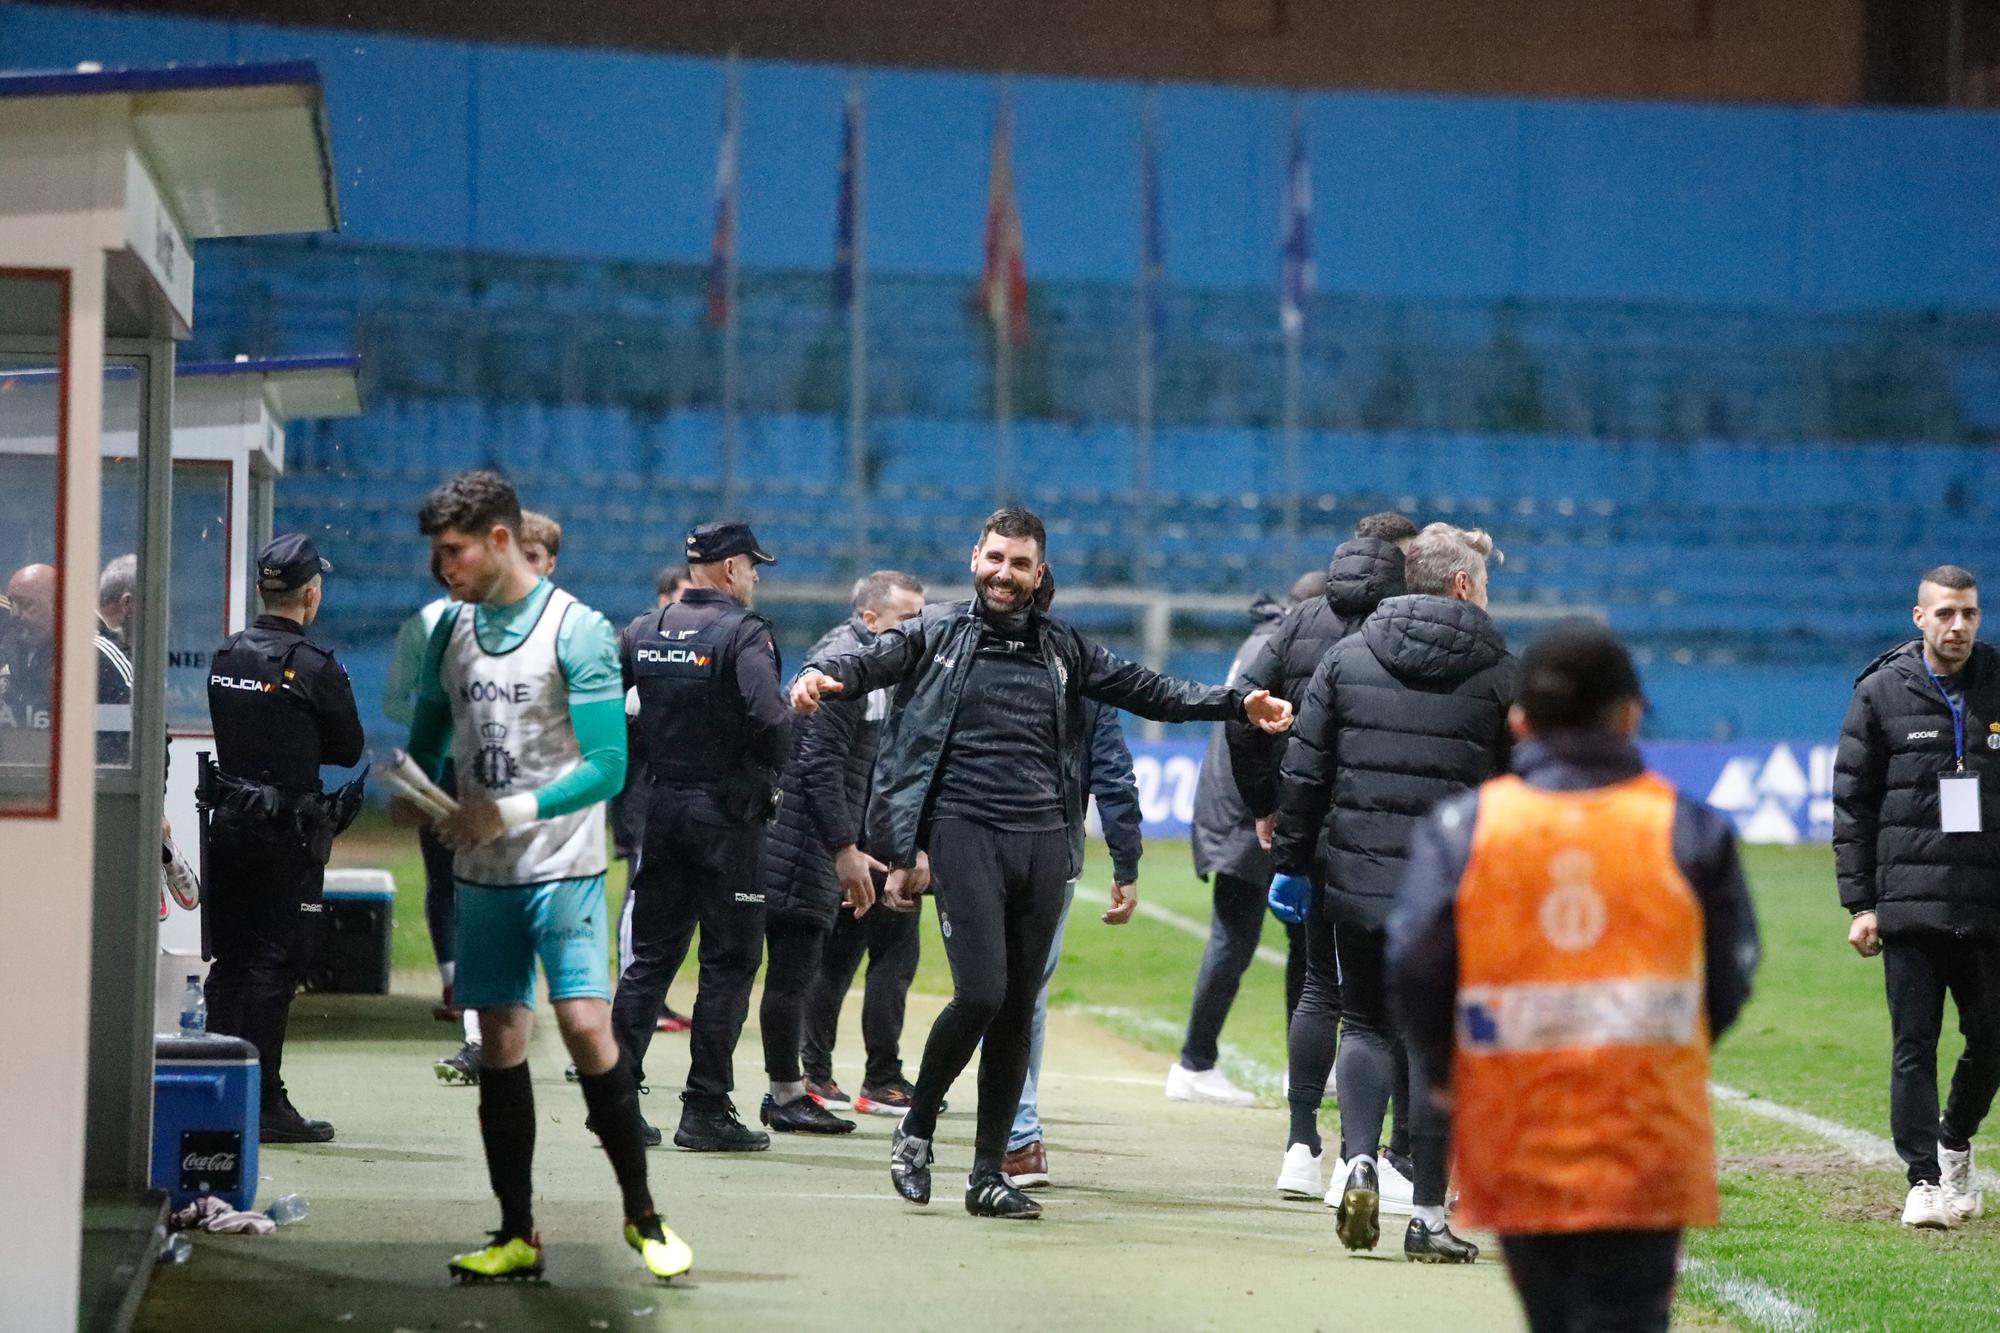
(282, 1123)
(716, 1129)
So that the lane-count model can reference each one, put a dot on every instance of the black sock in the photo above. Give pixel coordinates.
(613, 1099)
(507, 1125)
(985, 1163)
(1305, 1117)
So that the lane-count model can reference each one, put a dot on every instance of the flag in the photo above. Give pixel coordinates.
(843, 225)
(1295, 246)
(1152, 260)
(1003, 286)
(722, 244)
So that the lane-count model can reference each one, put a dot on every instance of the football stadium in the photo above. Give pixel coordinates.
(1176, 664)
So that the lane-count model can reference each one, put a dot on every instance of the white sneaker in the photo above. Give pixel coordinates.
(1964, 1202)
(1209, 1085)
(1299, 1177)
(1399, 1196)
(1926, 1208)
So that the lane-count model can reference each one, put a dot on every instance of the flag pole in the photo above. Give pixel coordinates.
(1297, 284)
(857, 332)
(732, 94)
(1003, 326)
(1142, 447)
(1291, 433)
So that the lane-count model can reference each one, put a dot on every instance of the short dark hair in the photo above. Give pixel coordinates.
(1575, 676)
(1014, 521)
(473, 502)
(872, 590)
(671, 579)
(1388, 526)
(1955, 577)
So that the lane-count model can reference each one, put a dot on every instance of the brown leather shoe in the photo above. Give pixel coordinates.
(1027, 1167)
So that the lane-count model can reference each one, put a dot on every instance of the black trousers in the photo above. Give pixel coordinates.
(792, 952)
(1595, 1281)
(700, 867)
(1920, 970)
(1235, 927)
(893, 942)
(1000, 901)
(1375, 1070)
(262, 900)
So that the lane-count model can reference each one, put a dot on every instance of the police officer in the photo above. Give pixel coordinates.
(716, 726)
(281, 707)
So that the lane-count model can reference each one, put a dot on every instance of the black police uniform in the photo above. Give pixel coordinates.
(715, 725)
(281, 706)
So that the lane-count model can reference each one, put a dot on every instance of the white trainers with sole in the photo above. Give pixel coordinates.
(1964, 1201)
(1399, 1195)
(1299, 1177)
(1209, 1085)
(1926, 1208)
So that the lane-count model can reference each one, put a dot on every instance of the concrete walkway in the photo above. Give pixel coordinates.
(1163, 1215)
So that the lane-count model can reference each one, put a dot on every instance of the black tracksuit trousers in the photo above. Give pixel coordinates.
(893, 941)
(792, 962)
(1595, 1281)
(1920, 969)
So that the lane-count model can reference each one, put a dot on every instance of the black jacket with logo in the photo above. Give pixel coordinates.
(926, 660)
(1890, 855)
(1410, 710)
(281, 706)
(1361, 574)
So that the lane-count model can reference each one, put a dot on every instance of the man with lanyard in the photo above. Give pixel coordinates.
(1568, 942)
(520, 688)
(1916, 843)
(704, 676)
(982, 782)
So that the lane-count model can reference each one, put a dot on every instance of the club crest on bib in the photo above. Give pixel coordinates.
(495, 765)
(1572, 915)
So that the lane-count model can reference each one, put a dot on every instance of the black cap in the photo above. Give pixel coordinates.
(1572, 675)
(708, 543)
(290, 561)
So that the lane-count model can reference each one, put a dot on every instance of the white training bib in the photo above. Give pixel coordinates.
(512, 733)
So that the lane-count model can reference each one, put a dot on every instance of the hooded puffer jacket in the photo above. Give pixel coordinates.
(1399, 716)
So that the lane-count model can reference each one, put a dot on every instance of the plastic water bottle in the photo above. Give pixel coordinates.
(177, 1249)
(194, 1009)
(287, 1210)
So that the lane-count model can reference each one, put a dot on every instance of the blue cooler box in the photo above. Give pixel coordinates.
(205, 1115)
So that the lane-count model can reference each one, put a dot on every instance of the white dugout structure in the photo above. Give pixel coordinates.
(111, 176)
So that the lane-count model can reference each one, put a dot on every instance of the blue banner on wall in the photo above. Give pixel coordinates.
(1779, 792)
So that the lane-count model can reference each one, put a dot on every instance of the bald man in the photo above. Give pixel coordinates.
(26, 641)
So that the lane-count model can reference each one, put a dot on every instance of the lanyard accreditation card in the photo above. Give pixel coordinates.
(1958, 790)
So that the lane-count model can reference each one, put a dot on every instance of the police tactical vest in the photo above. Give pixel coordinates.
(512, 733)
(259, 702)
(690, 710)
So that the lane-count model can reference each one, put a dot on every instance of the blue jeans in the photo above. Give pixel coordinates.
(1027, 1120)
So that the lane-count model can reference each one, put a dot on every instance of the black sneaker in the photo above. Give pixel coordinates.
(461, 1069)
(991, 1194)
(910, 1166)
(891, 1098)
(282, 1123)
(649, 1132)
(1422, 1245)
(717, 1130)
(801, 1115)
(1357, 1218)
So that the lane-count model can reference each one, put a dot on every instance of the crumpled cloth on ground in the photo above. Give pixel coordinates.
(209, 1213)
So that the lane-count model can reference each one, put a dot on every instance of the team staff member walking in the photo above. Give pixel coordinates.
(715, 727)
(982, 769)
(1405, 712)
(1569, 941)
(1916, 841)
(520, 688)
(814, 860)
(281, 707)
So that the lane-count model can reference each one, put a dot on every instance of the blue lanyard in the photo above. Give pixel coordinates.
(1957, 707)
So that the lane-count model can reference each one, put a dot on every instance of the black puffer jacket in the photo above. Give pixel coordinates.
(1399, 716)
(926, 659)
(1361, 574)
(1889, 853)
(1224, 838)
(825, 781)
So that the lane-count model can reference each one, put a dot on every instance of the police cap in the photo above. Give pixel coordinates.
(709, 543)
(289, 561)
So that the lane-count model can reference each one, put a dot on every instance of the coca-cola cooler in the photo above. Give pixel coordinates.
(205, 1108)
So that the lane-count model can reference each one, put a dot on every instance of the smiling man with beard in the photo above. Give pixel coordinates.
(981, 785)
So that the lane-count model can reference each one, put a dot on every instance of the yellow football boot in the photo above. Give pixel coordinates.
(667, 1256)
(507, 1259)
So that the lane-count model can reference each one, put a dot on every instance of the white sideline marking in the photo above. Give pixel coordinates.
(1762, 1304)
(1188, 926)
(1248, 1073)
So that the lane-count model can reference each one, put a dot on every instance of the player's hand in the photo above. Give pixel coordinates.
(407, 814)
(906, 884)
(855, 869)
(1124, 902)
(808, 688)
(1864, 935)
(1267, 712)
(476, 824)
(1267, 829)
